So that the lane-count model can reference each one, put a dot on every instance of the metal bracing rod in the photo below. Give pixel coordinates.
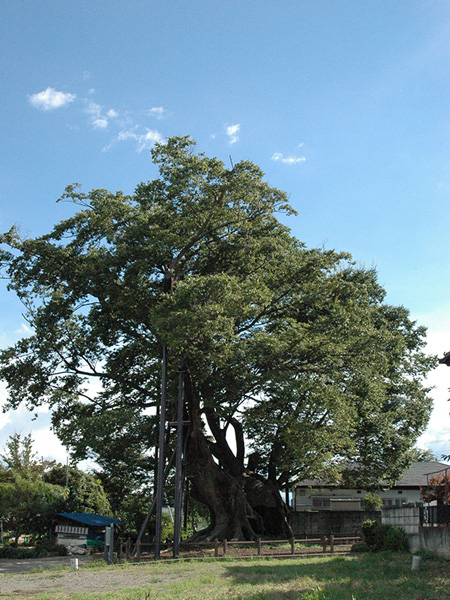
(160, 476)
(178, 464)
(152, 506)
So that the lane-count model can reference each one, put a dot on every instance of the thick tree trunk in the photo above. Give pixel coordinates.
(265, 500)
(221, 492)
(242, 506)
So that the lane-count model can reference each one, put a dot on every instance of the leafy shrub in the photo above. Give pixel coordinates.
(360, 547)
(395, 538)
(56, 550)
(42, 549)
(384, 537)
(372, 501)
(16, 552)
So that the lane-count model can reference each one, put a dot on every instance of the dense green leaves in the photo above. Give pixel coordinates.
(291, 349)
(31, 491)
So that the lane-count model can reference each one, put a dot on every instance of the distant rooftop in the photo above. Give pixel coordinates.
(415, 476)
(417, 473)
(90, 519)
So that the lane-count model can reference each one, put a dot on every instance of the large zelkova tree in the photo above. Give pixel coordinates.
(294, 362)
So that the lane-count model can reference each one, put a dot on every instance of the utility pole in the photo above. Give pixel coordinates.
(178, 464)
(160, 474)
(43, 479)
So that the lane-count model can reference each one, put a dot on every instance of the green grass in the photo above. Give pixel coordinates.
(383, 576)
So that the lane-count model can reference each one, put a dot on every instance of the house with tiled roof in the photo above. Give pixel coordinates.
(323, 495)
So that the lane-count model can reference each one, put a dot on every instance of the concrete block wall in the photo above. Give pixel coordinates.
(434, 539)
(323, 522)
(406, 517)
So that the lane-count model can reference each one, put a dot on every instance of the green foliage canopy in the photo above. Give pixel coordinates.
(31, 491)
(293, 350)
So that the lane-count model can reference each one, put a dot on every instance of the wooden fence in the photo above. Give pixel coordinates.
(228, 548)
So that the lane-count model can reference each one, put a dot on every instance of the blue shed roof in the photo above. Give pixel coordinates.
(90, 519)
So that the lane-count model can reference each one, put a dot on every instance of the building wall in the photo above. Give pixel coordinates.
(434, 539)
(323, 522)
(319, 499)
(406, 517)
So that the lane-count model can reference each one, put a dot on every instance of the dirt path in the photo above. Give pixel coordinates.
(21, 586)
(8, 565)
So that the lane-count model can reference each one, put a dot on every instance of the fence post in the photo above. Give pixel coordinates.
(258, 545)
(127, 549)
(331, 543)
(216, 547)
(225, 547)
(138, 551)
(324, 544)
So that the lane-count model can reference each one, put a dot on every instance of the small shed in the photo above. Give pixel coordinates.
(81, 529)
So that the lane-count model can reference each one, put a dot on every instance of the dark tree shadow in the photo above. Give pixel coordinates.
(378, 576)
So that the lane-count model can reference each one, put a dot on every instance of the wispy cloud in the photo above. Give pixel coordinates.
(157, 112)
(233, 133)
(50, 99)
(288, 160)
(24, 329)
(98, 116)
(122, 126)
(144, 140)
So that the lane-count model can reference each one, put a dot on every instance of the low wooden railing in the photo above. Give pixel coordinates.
(323, 545)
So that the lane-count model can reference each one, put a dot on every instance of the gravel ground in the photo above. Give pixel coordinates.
(18, 586)
(8, 565)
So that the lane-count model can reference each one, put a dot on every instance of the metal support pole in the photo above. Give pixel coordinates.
(160, 477)
(108, 550)
(178, 464)
(152, 506)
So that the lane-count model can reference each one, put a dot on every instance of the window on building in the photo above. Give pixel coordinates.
(320, 502)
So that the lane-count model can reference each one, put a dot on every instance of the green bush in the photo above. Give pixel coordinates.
(360, 547)
(55, 549)
(16, 552)
(384, 537)
(372, 501)
(42, 549)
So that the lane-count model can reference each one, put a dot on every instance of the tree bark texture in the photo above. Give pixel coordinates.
(242, 506)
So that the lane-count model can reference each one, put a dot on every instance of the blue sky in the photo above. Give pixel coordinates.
(344, 105)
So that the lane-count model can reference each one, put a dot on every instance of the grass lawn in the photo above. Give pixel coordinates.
(383, 576)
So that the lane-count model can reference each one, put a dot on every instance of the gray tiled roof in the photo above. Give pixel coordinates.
(414, 476)
(417, 473)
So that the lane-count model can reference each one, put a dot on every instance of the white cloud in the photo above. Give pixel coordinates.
(158, 112)
(93, 108)
(48, 445)
(5, 418)
(123, 125)
(288, 160)
(99, 118)
(24, 329)
(144, 140)
(100, 123)
(232, 133)
(50, 99)
(437, 435)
